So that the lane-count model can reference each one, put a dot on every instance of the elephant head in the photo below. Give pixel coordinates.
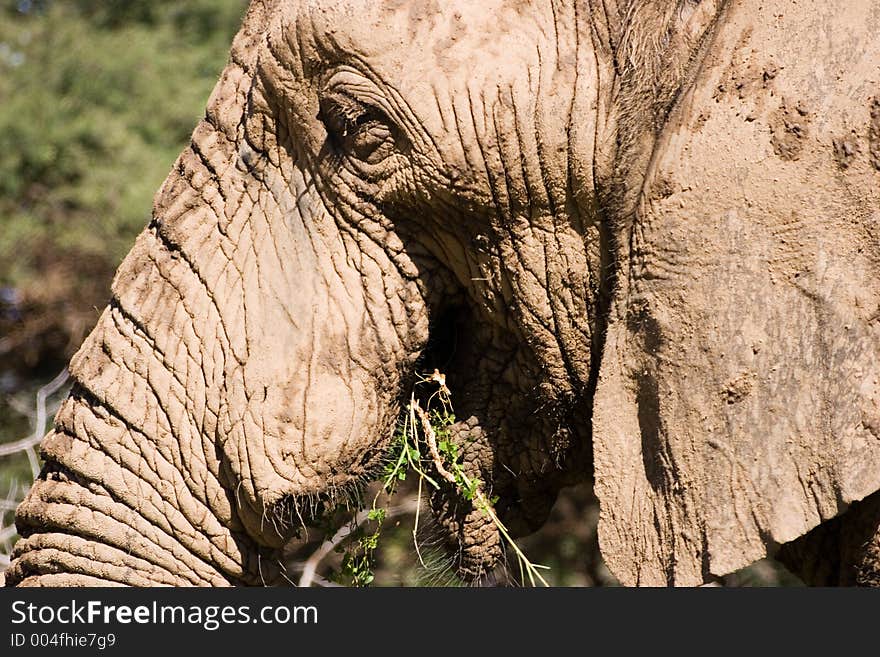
(614, 225)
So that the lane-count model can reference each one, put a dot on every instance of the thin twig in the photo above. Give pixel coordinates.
(11, 501)
(40, 426)
(483, 503)
(310, 565)
(27, 445)
(415, 529)
(326, 583)
(431, 438)
(19, 446)
(7, 533)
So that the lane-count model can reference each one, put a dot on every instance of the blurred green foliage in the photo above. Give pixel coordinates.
(97, 98)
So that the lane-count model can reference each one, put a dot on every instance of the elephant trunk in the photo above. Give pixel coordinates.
(246, 371)
(132, 491)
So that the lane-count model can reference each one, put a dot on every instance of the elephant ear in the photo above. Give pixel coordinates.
(738, 403)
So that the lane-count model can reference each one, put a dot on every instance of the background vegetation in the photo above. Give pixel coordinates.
(97, 98)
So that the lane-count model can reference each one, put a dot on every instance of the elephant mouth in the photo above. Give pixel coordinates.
(292, 515)
(471, 538)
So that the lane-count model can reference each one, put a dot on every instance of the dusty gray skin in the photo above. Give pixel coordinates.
(517, 193)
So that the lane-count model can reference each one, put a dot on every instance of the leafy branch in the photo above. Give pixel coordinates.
(422, 428)
(447, 453)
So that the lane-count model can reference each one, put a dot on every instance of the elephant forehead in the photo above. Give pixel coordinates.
(430, 52)
(445, 35)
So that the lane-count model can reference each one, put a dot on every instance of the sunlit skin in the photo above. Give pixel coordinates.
(628, 234)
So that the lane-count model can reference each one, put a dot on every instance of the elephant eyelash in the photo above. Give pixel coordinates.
(356, 129)
(345, 115)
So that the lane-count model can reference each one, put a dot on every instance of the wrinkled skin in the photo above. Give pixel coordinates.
(641, 235)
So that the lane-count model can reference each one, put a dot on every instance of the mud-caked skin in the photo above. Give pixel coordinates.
(638, 237)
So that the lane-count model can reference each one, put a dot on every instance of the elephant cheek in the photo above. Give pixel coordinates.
(320, 427)
(307, 439)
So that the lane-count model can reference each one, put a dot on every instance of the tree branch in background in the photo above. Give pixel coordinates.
(27, 446)
(310, 566)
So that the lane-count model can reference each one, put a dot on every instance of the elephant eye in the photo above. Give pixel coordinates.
(357, 130)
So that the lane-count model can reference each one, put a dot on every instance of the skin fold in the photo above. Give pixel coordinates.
(637, 238)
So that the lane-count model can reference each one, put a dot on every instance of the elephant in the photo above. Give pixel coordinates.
(639, 238)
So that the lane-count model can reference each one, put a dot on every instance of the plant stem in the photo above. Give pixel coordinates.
(483, 503)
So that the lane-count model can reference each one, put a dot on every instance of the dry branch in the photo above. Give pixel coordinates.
(27, 446)
(310, 566)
